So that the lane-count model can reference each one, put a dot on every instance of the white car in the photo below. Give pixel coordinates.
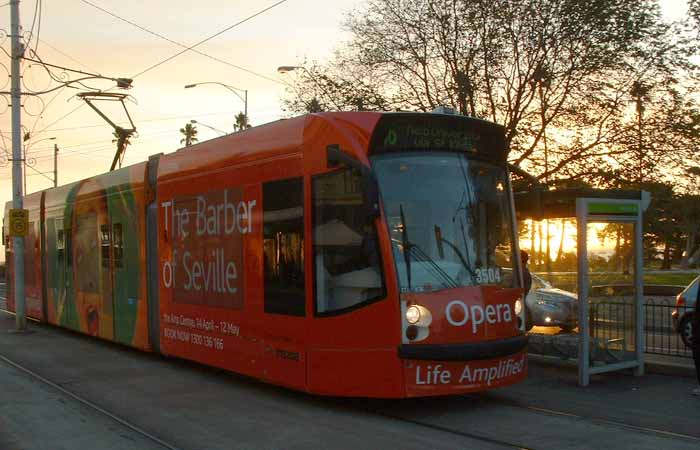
(550, 307)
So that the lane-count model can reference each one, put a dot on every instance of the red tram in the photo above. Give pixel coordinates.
(352, 254)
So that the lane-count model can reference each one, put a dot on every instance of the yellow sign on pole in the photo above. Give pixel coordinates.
(19, 222)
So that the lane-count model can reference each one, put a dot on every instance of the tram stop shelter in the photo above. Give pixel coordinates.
(606, 331)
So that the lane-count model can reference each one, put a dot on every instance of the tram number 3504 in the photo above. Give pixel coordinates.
(488, 276)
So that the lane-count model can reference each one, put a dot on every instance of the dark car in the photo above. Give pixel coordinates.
(683, 313)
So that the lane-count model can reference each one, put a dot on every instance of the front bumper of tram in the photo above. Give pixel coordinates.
(462, 340)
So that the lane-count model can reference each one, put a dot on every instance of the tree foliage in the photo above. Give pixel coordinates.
(601, 92)
(189, 133)
(241, 122)
(558, 74)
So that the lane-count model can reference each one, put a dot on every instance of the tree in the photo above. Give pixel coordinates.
(694, 10)
(241, 122)
(556, 73)
(190, 134)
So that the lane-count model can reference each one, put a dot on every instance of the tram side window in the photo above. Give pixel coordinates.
(30, 254)
(346, 251)
(69, 247)
(283, 246)
(60, 241)
(118, 245)
(105, 238)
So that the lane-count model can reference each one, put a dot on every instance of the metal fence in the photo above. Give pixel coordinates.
(611, 320)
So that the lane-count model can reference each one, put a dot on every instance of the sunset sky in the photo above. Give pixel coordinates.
(77, 35)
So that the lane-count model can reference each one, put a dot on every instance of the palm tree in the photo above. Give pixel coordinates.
(190, 133)
(241, 122)
(314, 106)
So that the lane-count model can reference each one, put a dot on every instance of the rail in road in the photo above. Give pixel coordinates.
(485, 421)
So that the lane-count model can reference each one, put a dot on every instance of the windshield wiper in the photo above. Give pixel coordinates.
(421, 256)
(406, 246)
(454, 248)
(410, 248)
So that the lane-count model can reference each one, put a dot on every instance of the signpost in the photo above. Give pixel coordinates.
(19, 222)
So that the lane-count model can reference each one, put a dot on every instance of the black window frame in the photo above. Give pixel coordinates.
(337, 312)
(272, 305)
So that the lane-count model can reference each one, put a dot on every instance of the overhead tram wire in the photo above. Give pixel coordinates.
(162, 119)
(100, 146)
(158, 119)
(60, 118)
(240, 22)
(186, 48)
(37, 7)
(192, 48)
(67, 56)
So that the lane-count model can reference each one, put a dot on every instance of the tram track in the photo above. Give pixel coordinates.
(440, 425)
(445, 429)
(598, 420)
(534, 409)
(87, 403)
(483, 400)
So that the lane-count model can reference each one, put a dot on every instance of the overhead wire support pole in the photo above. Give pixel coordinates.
(55, 165)
(17, 203)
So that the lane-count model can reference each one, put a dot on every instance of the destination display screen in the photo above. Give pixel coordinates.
(402, 132)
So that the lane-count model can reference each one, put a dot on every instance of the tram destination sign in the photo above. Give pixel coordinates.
(403, 132)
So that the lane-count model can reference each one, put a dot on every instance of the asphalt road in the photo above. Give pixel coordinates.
(193, 407)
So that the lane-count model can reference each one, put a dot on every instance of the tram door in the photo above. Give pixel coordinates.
(91, 242)
(125, 265)
(284, 281)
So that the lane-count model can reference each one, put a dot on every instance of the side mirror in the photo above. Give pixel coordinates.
(368, 182)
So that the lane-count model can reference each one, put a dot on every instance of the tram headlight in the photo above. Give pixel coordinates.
(518, 307)
(413, 314)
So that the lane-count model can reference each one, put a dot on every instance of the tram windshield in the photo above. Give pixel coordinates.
(449, 219)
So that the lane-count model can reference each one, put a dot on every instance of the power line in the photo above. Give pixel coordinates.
(179, 44)
(66, 55)
(49, 150)
(183, 45)
(170, 58)
(37, 4)
(60, 118)
(160, 119)
(98, 148)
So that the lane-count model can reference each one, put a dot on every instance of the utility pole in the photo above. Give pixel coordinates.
(16, 94)
(55, 165)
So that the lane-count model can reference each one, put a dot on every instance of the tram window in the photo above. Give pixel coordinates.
(30, 252)
(105, 238)
(60, 240)
(118, 245)
(69, 247)
(346, 251)
(283, 246)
